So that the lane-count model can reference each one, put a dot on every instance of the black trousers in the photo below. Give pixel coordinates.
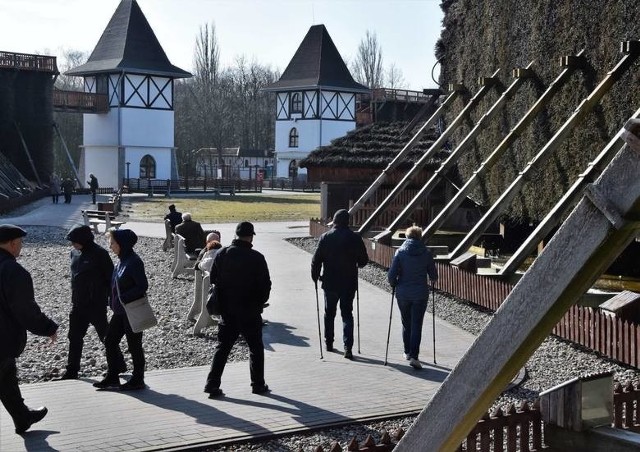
(119, 327)
(93, 197)
(79, 320)
(228, 332)
(10, 392)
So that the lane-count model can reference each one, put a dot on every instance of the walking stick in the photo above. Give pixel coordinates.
(315, 283)
(358, 314)
(386, 353)
(433, 318)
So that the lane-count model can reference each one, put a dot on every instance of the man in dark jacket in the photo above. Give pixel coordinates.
(93, 186)
(242, 277)
(91, 270)
(19, 312)
(341, 252)
(194, 236)
(174, 217)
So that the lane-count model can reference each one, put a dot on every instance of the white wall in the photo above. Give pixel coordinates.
(145, 127)
(162, 157)
(102, 161)
(309, 133)
(102, 129)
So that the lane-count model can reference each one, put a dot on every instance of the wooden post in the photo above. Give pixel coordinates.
(591, 238)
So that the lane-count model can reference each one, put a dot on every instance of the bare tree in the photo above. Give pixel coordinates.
(367, 66)
(395, 78)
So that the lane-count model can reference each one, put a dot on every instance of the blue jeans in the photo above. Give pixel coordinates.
(412, 314)
(331, 300)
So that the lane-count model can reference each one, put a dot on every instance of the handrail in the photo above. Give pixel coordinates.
(26, 61)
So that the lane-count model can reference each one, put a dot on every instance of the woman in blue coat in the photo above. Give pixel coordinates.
(411, 269)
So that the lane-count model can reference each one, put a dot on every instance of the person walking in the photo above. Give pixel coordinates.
(194, 236)
(91, 270)
(174, 217)
(411, 269)
(128, 283)
(93, 186)
(19, 313)
(339, 254)
(67, 189)
(242, 278)
(54, 187)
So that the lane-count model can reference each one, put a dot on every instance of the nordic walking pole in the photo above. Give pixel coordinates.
(358, 314)
(315, 283)
(433, 318)
(386, 353)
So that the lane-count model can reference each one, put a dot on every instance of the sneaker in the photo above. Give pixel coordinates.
(133, 385)
(33, 417)
(406, 356)
(415, 363)
(260, 389)
(215, 393)
(348, 354)
(107, 382)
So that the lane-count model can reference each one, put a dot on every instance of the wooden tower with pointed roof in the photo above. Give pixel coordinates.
(129, 65)
(315, 101)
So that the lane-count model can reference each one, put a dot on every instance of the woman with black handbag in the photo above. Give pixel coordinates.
(129, 283)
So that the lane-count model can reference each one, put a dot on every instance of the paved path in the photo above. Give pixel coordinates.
(306, 391)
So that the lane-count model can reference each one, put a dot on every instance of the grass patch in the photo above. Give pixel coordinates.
(232, 209)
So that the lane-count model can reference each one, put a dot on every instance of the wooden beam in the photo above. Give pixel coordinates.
(584, 246)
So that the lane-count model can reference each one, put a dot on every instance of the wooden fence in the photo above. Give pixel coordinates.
(509, 429)
(614, 337)
(626, 407)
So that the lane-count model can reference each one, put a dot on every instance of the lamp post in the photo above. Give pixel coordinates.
(128, 163)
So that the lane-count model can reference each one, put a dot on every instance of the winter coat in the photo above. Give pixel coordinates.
(411, 269)
(91, 271)
(129, 281)
(242, 278)
(194, 236)
(93, 183)
(206, 257)
(341, 252)
(175, 218)
(19, 311)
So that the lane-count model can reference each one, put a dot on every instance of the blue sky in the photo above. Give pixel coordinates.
(268, 31)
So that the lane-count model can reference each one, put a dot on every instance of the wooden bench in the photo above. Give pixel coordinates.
(94, 218)
(168, 240)
(183, 262)
(198, 310)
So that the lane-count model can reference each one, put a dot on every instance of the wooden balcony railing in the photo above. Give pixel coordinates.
(28, 62)
(78, 101)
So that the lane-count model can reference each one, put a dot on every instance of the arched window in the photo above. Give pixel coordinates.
(293, 138)
(147, 167)
(293, 168)
(296, 103)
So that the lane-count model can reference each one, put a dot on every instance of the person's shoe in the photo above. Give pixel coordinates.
(107, 382)
(329, 346)
(122, 368)
(33, 417)
(406, 356)
(215, 393)
(415, 364)
(67, 376)
(348, 354)
(133, 385)
(261, 389)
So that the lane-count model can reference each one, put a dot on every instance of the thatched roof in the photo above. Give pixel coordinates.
(372, 146)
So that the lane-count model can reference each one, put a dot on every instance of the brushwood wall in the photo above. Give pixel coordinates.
(480, 37)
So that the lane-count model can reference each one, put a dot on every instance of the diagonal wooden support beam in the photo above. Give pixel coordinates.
(489, 83)
(584, 246)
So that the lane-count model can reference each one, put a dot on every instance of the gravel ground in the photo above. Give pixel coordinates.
(46, 256)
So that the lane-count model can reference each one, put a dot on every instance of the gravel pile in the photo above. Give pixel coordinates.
(46, 256)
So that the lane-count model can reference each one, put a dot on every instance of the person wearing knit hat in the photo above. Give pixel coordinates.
(91, 270)
(339, 254)
(19, 313)
(128, 283)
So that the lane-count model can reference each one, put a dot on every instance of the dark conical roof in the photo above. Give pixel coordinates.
(317, 63)
(129, 44)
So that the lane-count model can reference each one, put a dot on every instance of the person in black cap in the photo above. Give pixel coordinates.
(19, 312)
(340, 252)
(174, 217)
(91, 270)
(128, 283)
(242, 277)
